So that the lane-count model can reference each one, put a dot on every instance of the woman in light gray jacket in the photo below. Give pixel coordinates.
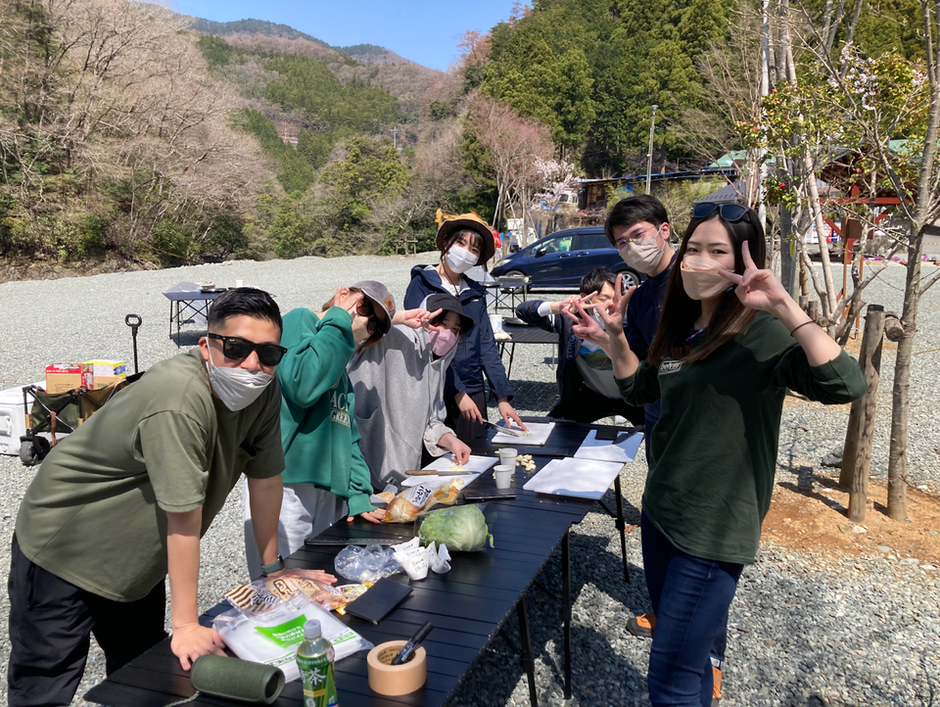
(399, 389)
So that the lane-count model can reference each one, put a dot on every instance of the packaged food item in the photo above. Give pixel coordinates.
(271, 630)
(284, 585)
(406, 506)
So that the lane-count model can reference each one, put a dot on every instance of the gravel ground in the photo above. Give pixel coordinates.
(804, 631)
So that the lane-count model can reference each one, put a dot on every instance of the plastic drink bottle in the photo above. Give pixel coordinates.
(315, 660)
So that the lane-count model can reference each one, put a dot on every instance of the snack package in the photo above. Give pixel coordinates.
(406, 506)
(381, 500)
(270, 631)
(249, 595)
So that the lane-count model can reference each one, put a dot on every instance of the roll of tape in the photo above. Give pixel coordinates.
(236, 679)
(388, 679)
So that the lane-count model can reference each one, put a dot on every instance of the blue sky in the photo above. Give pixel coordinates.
(425, 32)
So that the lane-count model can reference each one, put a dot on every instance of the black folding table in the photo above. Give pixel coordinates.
(467, 606)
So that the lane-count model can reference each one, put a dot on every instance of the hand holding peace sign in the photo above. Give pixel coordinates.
(757, 289)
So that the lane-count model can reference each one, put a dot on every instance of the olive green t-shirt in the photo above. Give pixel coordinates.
(95, 515)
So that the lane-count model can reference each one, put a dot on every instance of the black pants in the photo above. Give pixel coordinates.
(51, 622)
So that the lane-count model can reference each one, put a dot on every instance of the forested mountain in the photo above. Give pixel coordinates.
(371, 54)
(132, 133)
(251, 27)
(591, 70)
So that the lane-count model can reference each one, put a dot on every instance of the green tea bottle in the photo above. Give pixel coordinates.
(315, 661)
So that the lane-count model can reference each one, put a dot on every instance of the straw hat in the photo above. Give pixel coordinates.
(474, 223)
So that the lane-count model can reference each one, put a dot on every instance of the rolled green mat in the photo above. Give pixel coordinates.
(236, 679)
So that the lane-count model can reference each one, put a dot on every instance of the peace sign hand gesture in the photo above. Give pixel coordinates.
(758, 289)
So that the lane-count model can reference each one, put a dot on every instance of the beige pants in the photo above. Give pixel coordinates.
(306, 511)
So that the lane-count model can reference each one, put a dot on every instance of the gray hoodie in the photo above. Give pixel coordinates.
(399, 390)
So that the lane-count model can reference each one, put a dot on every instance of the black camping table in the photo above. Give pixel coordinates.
(467, 606)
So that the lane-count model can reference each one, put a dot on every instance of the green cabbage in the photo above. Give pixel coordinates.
(462, 528)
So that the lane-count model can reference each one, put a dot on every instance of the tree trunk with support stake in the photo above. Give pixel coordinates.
(860, 459)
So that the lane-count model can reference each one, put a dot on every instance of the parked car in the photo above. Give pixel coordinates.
(561, 259)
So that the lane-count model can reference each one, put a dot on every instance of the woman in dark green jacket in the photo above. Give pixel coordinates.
(731, 341)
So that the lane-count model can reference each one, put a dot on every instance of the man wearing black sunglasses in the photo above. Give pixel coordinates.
(122, 503)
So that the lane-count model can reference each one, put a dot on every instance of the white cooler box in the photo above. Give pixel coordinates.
(12, 420)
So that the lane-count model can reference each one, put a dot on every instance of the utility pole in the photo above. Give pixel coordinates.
(649, 155)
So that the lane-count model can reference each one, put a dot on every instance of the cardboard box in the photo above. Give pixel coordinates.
(106, 373)
(63, 377)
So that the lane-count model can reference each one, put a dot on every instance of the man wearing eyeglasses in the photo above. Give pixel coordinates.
(123, 502)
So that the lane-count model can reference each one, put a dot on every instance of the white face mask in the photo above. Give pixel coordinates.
(237, 388)
(643, 254)
(460, 259)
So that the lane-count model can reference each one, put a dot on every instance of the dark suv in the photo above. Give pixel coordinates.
(563, 258)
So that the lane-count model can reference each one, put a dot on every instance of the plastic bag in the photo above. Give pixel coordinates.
(366, 564)
(271, 632)
(406, 506)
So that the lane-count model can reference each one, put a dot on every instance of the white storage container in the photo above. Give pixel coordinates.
(12, 420)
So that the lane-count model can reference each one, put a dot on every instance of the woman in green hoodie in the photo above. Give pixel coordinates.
(326, 477)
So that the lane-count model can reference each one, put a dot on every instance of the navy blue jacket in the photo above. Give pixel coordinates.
(567, 374)
(476, 352)
(643, 312)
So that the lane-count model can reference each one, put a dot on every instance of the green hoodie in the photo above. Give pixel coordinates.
(318, 428)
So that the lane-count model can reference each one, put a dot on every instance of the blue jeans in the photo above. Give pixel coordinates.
(691, 597)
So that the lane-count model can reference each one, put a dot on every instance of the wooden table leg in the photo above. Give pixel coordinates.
(528, 663)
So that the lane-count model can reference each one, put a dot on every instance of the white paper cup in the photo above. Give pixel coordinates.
(507, 457)
(503, 476)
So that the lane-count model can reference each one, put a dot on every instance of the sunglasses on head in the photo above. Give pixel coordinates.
(238, 349)
(732, 213)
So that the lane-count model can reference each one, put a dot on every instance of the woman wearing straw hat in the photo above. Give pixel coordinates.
(464, 242)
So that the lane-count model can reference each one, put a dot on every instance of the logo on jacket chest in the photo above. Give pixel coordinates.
(339, 402)
(669, 366)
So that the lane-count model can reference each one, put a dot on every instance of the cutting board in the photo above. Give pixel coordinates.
(580, 478)
(540, 433)
(474, 463)
(606, 451)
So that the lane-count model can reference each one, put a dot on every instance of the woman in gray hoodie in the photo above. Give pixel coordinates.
(399, 389)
